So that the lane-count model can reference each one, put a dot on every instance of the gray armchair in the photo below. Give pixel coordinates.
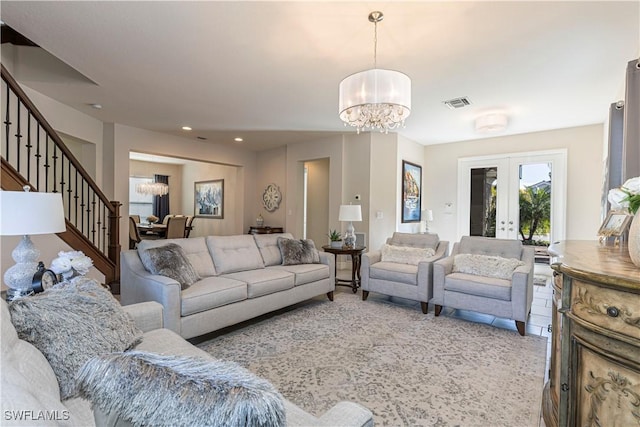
(402, 280)
(510, 296)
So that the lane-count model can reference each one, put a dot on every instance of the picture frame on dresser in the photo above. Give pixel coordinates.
(208, 199)
(615, 223)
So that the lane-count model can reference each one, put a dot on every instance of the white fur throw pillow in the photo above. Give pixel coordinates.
(486, 265)
(171, 261)
(405, 254)
(71, 323)
(158, 390)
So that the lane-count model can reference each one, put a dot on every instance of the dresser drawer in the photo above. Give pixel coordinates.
(613, 310)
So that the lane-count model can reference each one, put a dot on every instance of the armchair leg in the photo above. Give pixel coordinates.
(438, 310)
(520, 326)
(330, 295)
(365, 295)
(424, 306)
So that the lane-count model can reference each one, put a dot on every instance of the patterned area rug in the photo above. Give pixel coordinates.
(408, 368)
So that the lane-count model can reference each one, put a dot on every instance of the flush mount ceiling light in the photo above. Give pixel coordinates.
(495, 122)
(186, 128)
(376, 98)
(152, 189)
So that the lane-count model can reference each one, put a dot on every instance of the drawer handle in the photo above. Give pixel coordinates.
(564, 387)
(613, 312)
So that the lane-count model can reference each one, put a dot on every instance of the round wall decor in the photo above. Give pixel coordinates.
(271, 197)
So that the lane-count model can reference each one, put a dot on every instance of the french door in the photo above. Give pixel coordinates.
(513, 196)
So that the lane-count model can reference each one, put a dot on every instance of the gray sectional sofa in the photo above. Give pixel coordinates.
(242, 277)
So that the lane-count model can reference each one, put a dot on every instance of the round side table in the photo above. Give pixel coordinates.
(356, 256)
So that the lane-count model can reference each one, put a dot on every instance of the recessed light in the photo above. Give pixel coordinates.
(238, 139)
(96, 106)
(186, 128)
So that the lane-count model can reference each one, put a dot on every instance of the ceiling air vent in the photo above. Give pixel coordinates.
(454, 103)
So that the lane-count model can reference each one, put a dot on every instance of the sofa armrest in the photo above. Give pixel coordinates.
(147, 315)
(366, 261)
(330, 260)
(138, 285)
(347, 414)
(441, 268)
(522, 286)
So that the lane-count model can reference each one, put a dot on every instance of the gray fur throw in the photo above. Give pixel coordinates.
(171, 261)
(486, 265)
(147, 389)
(71, 323)
(298, 251)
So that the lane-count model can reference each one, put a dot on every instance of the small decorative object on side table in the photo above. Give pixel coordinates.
(356, 256)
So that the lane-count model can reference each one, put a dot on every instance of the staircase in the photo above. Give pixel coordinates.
(33, 154)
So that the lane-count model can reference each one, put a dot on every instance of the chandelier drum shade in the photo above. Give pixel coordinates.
(152, 189)
(377, 98)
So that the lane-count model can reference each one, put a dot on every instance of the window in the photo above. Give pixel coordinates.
(139, 204)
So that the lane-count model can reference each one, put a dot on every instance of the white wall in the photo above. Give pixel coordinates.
(384, 186)
(357, 170)
(584, 173)
(318, 201)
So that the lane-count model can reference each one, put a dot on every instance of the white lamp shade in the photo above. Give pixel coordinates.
(375, 86)
(350, 213)
(27, 213)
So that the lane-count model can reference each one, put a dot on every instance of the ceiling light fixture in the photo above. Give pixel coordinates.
(238, 139)
(186, 128)
(96, 106)
(152, 189)
(376, 98)
(495, 122)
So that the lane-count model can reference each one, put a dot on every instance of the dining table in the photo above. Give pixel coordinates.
(155, 230)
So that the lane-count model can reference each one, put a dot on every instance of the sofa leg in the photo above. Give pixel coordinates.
(520, 326)
(438, 309)
(330, 295)
(424, 306)
(365, 295)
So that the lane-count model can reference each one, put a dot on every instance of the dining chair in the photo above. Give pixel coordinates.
(136, 218)
(189, 226)
(176, 227)
(134, 234)
(165, 220)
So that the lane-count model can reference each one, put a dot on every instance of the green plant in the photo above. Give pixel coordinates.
(535, 211)
(334, 236)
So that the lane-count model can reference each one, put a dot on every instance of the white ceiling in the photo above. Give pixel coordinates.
(269, 71)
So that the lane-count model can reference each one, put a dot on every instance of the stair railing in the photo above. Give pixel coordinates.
(34, 154)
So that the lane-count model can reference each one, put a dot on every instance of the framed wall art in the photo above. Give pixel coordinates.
(411, 191)
(615, 224)
(209, 199)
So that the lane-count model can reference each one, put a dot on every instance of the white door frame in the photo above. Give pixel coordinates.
(508, 178)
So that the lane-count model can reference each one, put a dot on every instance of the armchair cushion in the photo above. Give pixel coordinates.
(170, 261)
(406, 254)
(483, 286)
(394, 272)
(486, 265)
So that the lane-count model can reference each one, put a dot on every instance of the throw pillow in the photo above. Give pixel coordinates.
(150, 389)
(486, 265)
(171, 261)
(298, 251)
(405, 254)
(71, 323)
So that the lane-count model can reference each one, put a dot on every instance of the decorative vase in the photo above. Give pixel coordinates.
(634, 239)
(259, 221)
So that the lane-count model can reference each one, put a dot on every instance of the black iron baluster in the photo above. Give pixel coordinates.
(88, 204)
(7, 124)
(18, 136)
(93, 222)
(69, 191)
(29, 146)
(46, 164)
(81, 204)
(55, 168)
(62, 176)
(76, 197)
(38, 156)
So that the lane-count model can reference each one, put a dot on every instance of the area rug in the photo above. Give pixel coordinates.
(408, 368)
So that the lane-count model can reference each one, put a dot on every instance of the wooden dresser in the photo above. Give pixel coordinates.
(594, 378)
(265, 230)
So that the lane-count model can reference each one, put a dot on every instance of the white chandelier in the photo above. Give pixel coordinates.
(152, 188)
(376, 98)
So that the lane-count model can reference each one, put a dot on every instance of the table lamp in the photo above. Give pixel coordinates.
(23, 213)
(350, 213)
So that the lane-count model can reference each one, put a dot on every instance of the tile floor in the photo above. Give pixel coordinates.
(538, 323)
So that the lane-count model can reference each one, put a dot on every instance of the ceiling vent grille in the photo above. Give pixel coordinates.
(454, 103)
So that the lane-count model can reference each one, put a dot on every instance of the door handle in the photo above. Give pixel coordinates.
(511, 222)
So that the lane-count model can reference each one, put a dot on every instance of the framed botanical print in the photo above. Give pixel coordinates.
(411, 192)
(209, 199)
(614, 224)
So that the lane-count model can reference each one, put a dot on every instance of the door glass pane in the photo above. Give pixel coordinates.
(535, 204)
(482, 217)
(139, 204)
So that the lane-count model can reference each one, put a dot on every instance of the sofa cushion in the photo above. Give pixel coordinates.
(485, 265)
(72, 322)
(483, 286)
(305, 273)
(170, 260)
(265, 281)
(405, 254)
(151, 389)
(504, 248)
(415, 240)
(268, 247)
(234, 253)
(296, 252)
(195, 248)
(212, 292)
(395, 272)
